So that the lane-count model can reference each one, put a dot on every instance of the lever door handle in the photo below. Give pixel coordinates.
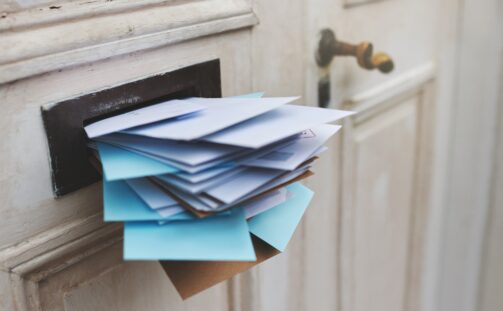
(329, 46)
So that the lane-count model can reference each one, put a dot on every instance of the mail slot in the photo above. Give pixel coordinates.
(64, 121)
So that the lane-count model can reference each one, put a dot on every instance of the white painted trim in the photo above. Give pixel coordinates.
(32, 51)
(48, 245)
(407, 82)
(417, 82)
(491, 279)
(471, 154)
(69, 10)
(50, 252)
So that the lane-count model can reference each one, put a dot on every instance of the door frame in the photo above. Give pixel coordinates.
(471, 157)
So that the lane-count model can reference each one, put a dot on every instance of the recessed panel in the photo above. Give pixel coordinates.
(385, 157)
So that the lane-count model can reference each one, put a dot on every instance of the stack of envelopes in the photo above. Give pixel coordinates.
(208, 185)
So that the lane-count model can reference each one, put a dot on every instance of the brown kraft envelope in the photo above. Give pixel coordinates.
(192, 277)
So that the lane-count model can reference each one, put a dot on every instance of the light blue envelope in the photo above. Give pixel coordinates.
(224, 238)
(118, 163)
(277, 225)
(121, 203)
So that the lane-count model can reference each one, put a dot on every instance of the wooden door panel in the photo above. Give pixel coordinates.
(385, 191)
(359, 247)
(384, 149)
(88, 273)
(138, 286)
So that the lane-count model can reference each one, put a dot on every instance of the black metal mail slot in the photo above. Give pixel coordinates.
(63, 121)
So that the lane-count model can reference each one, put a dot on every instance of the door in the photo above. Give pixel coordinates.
(362, 244)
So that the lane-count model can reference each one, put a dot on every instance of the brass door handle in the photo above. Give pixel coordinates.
(329, 46)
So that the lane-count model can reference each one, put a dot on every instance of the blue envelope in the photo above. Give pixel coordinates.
(121, 203)
(224, 238)
(119, 163)
(277, 225)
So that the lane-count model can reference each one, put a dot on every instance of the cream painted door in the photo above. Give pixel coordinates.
(362, 243)
(365, 241)
(57, 254)
(386, 152)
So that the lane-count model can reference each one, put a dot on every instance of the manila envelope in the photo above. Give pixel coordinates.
(271, 231)
(192, 277)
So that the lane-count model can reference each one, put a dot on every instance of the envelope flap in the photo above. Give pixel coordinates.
(277, 225)
(192, 277)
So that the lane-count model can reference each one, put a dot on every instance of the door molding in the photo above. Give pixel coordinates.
(471, 154)
(48, 39)
(417, 82)
(48, 253)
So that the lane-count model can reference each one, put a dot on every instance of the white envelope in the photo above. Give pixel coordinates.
(319, 151)
(163, 111)
(266, 202)
(219, 114)
(275, 125)
(198, 201)
(273, 183)
(203, 203)
(292, 155)
(229, 159)
(189, 153)
(204, 175)
(199, 187)
(189, 168)
(242, 184)
(170, 211)
(251, 209)
(278, 181)
(150, 193)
